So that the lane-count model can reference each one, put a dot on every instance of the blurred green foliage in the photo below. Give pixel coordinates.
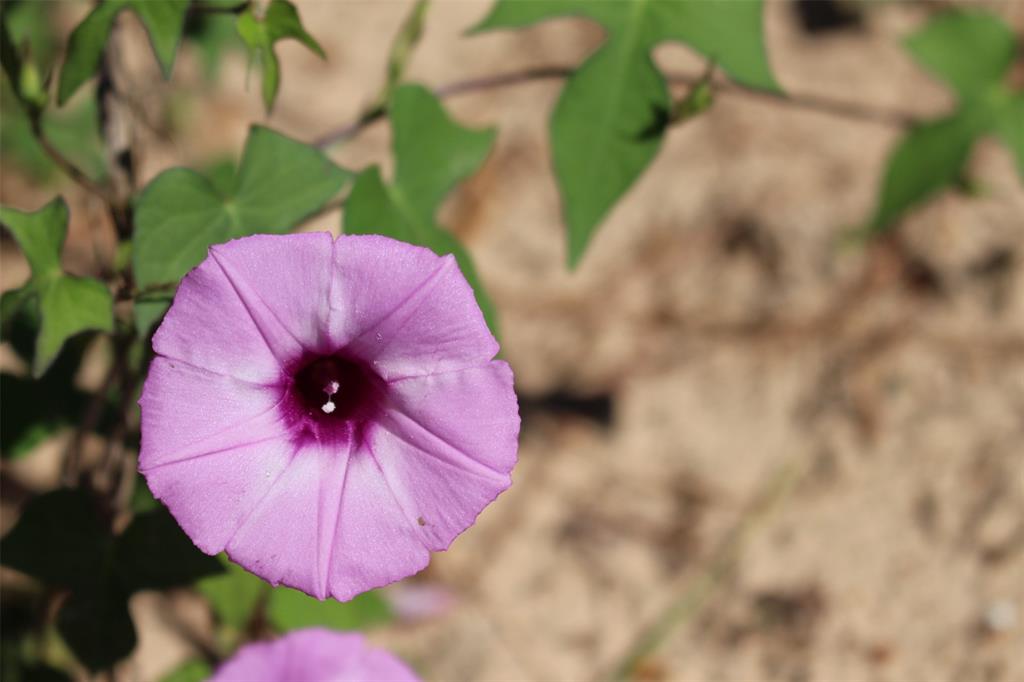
(63, 538)
(609, 122)
(234, 595)
(972, 52)
(163, 19)
(261, 33)
(191, 671)
(66, 305)
(73, 130)
(289, 609)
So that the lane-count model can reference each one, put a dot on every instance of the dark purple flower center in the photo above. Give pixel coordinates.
(332, 399)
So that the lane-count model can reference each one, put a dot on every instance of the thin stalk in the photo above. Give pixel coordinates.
(723, 564)
(819, 103)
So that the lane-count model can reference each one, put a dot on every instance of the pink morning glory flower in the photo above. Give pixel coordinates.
(314, 655)
(327, 411)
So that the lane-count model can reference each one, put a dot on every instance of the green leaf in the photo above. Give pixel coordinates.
(97, 627)
(35, 409)
(432, 154)
(22, 71)
(969, 50)
(9, 57)
(32, 25)
(85, 48)
(930, 158)
(73, 130)
(1009, 124)
(142, 497)
(612, 113)
(290, 609)
(234, 594)
(972, 52)
(59, 539)
(40, 235)
(67, 305)
(280, 21)
(154, 553)
(164, 21)
(181, 213)
(215, 36)
(196, 670)
(408, 37)
(729, 32)
(606, 129)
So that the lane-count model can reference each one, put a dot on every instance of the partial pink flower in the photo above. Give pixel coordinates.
(328, 412)
(314, 655)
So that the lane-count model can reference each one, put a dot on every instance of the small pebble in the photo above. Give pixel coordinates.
(1000, 616)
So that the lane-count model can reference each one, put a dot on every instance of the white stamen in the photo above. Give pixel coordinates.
(330, 389)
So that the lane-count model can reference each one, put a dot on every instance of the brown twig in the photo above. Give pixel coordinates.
(116, 124)
(114, 469)
(818, 103)
(91, 417)
(825, 105)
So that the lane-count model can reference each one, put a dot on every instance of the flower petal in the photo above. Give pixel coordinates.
(447, 445)
(405, 309)
(336, 528)
(298, 516)
(314, 655)
(208, 326)
(211, 496)
(374, 543)
(188, 411)
(285, 295)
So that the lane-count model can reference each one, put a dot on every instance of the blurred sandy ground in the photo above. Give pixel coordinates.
(718, 349)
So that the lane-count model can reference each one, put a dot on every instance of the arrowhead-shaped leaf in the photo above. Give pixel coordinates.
(928, 159)
(1009, 124)
(164, 21)
(612, 113)
(969, 50)
(40, 234)
(280, 21)
(67, 305)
